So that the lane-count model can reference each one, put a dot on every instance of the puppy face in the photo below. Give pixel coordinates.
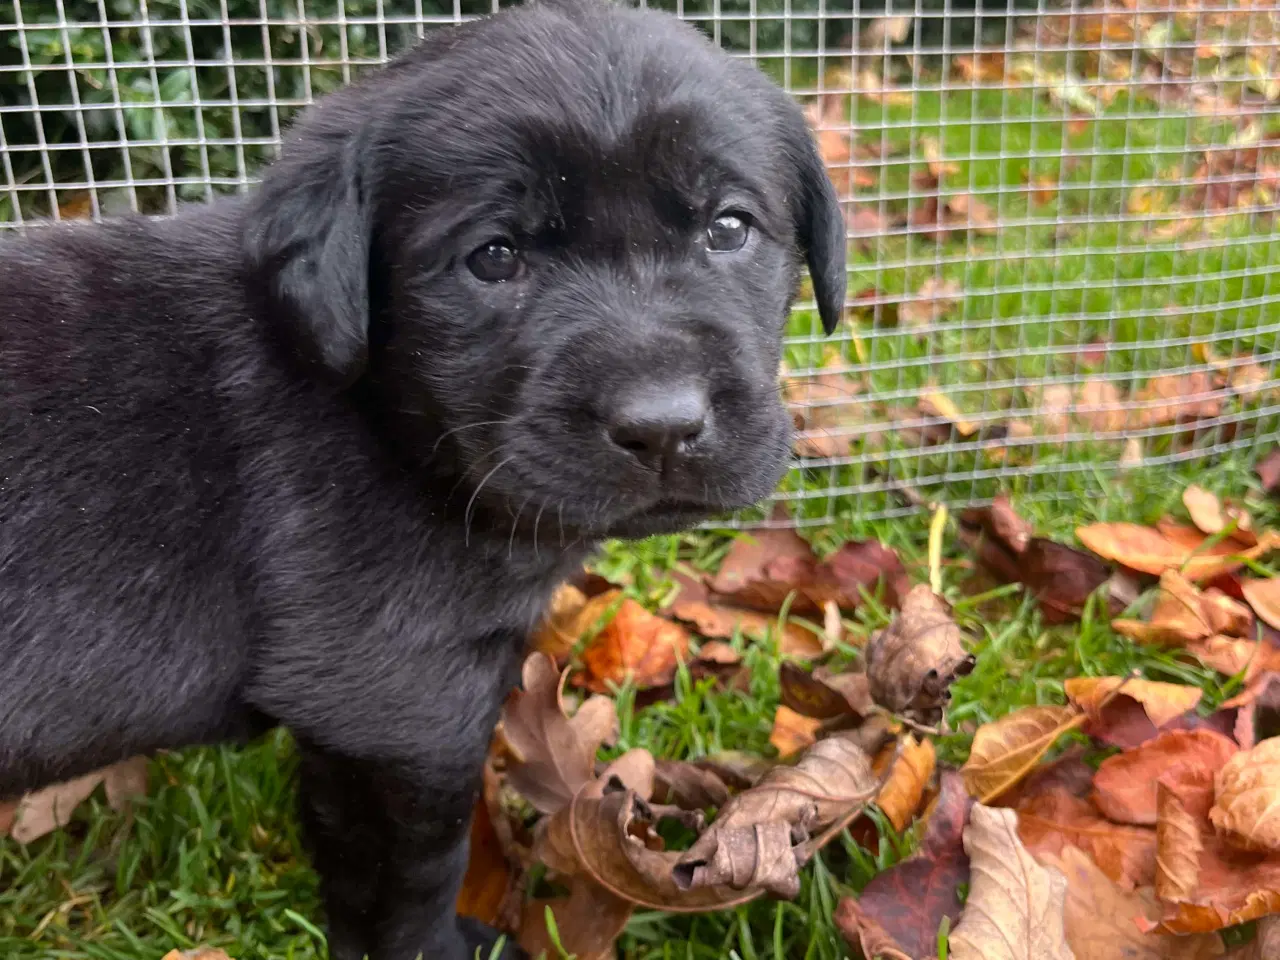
(577, 231)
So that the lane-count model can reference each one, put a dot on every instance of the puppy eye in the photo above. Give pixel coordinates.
(495, 262)
(728, 232)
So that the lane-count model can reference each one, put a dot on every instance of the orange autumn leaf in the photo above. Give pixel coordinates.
(1153, 551)
(903, 790)
(1125, 784)
(1264, 597)
(1183, 614)
(1005, 751)
(1051, 821)
(792, 731)
(634, 645)
(1205, 883)
(1246, 808)
(488, 877)
(1210, 515)
(1162, 702)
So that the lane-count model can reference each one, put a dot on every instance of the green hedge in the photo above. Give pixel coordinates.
(177, 85)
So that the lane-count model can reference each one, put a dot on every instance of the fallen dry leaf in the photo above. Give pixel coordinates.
(904, 788)
(1211, 517)
(773, 568)
(1246, 808)
(1268, 471)
(488, 879)
(912, 663)
(763, 835)
(1004, 751)
(823, 695)
(901, 908)
(1162, 702)
(687, 786)
(1205, 883)
(693, 606)
(935, 298)
(1100, 914)
(1264, 597)
(1125, 785)
(1184, 614)
(561, 628)
(1015, 906)
(633, 645)
(553, 755)
(1061, 578)
(1051, 821)
(793, 731)
(43, 811)
(589, 921)
(1155, 551)
(1179, 398)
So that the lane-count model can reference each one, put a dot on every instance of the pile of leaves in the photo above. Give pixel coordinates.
(1129, 820)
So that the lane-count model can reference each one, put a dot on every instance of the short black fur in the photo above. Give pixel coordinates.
(288, 460)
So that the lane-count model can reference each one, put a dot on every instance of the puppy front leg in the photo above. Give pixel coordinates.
(389, 840)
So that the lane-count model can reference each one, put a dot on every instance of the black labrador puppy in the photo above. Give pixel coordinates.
(317, 456)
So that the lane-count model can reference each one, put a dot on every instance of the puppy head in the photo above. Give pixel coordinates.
(557, 248)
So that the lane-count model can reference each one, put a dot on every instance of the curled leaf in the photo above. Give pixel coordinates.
(912, 662)
(1155, 551)
(1005, 751)
(1246, 809)
(1015, 906)
(745, 845)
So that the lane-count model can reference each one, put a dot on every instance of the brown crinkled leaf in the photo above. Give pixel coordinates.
(1246, 809)
(1125, 785)
(633, 645)
(1006, 750)
(1162, 702)
(1155, 551)
(1231, 656)
(902, 908)
(1015, 906)
(762, 835)
(1264, 597)
(683, 785)
(43, 811)
(912, 663)
(1068, 772)
(1051, 821)
(1181, 803)
(562, 626)
(904, 788)
(738, 769)
(1099, 917)
(554, 757)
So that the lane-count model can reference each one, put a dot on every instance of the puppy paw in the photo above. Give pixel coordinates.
(481, 939)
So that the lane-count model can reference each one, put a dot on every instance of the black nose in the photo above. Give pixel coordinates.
(661, 424)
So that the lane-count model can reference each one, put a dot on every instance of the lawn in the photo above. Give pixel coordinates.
(213, 854)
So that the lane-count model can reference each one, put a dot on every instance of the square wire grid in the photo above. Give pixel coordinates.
(1062, 217)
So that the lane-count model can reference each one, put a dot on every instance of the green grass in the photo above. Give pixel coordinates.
(213, 855)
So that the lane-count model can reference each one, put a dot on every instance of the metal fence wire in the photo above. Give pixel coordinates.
(1062, 218)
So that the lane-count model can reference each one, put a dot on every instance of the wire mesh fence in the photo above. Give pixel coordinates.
(1062, 217)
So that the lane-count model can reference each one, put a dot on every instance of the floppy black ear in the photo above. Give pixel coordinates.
(307, 243)
(821, 228)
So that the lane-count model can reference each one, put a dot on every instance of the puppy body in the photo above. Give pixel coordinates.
(292, 459)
